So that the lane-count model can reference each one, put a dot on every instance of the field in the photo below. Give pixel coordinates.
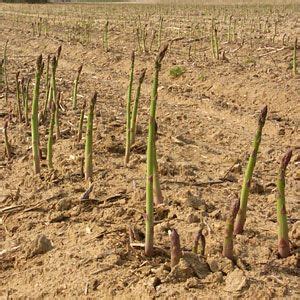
(224, 63)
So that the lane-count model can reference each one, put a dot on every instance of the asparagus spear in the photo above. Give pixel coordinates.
(151, 156)
(128, 112)
(89, 140)
(6, 141)
(241, 217)
(135, 108)
(228, 239)
(176, 252)
(50, 138)
(34, 115)
(283, 236)
(75, 88)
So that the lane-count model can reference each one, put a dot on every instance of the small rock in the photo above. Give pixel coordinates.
(216, 277)
(161, 272)
(281, 131)
(235, 281)
(269, 187)
(194, 202)
(237, 168)
(257, 187)
(57, 217)
(231, 177)
(192, 283)
(215, 214)
(190, 265)
(154, 282)
(95, 284)
(181, 272)
(193, 219)
(40, 245)
(64, 204)
(198, 264)
(222, 264)
(113, 260)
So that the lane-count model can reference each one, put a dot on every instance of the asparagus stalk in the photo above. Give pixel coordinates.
(48, 86)
(89, 140)
(58, 54)
(212, 39)
(57, 115)
(283, 236)
(241, 216)
(1, 72)
(105, 36)
(5, 71)
(53, 91)
(199, 237)
(161, 19)
(75, 88)
(18, 97)
(6, 141)
(128, 112)
(158, 197)
(216, 42)
(26, 101)
(176, 252)
(228, 239)
(135, 108)
(151, 156)
(295, 58)
(23, 91)
(79, 137)
(50, 137)
(34, 115)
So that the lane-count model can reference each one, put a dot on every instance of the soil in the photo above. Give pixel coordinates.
(53, 244)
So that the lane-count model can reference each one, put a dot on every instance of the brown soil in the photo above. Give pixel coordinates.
(54, 245)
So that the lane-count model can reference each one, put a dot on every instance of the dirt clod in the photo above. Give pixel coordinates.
(235, 281)
(40, 245)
